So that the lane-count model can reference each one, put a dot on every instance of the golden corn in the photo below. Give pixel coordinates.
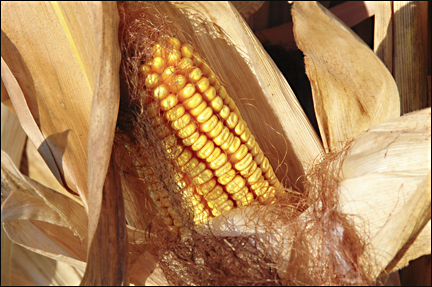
(221, 164)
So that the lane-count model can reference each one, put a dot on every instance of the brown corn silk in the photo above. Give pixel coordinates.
(319, 244)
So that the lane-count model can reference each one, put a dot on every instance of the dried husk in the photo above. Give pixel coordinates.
(381, 177)
(351, 88)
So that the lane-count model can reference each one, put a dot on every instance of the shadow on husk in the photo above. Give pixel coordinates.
(306, 241)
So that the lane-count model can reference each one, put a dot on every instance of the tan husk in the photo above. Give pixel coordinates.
(381, 175)
(351, 88)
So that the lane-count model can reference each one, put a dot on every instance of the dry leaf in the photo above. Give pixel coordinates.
(351, 88)
(381, 175)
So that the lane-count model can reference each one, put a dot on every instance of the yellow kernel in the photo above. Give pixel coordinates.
(185, 66)
(246, 200)
(197, 170)
(165, 202)
(244, 163)
(212, 78)
(191, 165)
(217, 85)
(216, 104)
(250, 169)
(259, 183)
(234, 146)
(195, 75)
(222, 93)
(161, 92)
(232, 121)
(240, 194)
(262, 188)
(216, 152)
(209, 125)
(224, 113)
(145, 69)
(216, 130)
(218, 162)
(169, 102)
(227, 206)
(187, 131)
(158, 65)
(197, 59)
(206, 150)
(227, 177)
(240, 127)
(187, 50)
(265, 165)
(200, 142)
(181, 122)
(178, 223)
(218, 201)
(209, 94)
(198, 110)
(203, 177)
(158, 51)
(269, 173)
(202, 85)
(175, 113)
(191, 139)
(228, 143)
(207, 187)
(255, 150)
(259, 158)
(245, 136)
(205, 69)
(205, 115)
(178, 82)
(152, 81)
(174, 57)
(175, 151)
(181, 184)
(254, 177)
(239, 154)
(170, 141)
(222, 137)
(174, 42)
(251, 143)
(186, 92)
(174, 229)
(236, 184)
(193, 101)
(215, 193)
(184, 157)
(223, 169)
(168, 221)
(168, 74)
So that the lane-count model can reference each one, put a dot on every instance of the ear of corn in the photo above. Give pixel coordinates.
(222, 165)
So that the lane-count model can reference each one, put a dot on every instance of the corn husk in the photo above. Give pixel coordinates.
(58, 122)
(352, 91)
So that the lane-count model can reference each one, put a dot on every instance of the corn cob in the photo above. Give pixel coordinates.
(222, 166)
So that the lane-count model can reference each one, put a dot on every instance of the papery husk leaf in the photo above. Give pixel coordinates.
(351, 87)
(106, 263)
(13, 137)
(5, 100)
(40, 172)
(381, 176)
(12, 141)
(46, 222)
(53, 55)
(260, 91)
(30, 268)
